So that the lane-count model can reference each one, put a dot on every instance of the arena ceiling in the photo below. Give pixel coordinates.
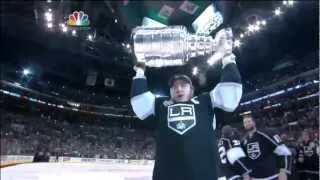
(53, 56)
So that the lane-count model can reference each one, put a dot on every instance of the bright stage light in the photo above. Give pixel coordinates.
(26, 72)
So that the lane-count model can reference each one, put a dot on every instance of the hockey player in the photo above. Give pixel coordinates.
(232, 159)
(186, 139)
(307, 158)
(268, 157)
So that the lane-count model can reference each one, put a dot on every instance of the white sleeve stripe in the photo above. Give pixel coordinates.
(226, 95)
(266, 178)
(282, 150)
(266, 136)
(234, 154)
(234, 177)
(224, 108)
(286, 162)
(214, 123)
(143, 105)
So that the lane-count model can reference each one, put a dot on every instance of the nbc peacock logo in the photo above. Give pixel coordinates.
(78, 19)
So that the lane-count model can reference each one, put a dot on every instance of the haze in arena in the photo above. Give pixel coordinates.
(159, 90)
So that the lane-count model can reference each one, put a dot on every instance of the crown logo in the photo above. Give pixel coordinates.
(78, 19)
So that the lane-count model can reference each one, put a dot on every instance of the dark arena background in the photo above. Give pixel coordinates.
(65, 87)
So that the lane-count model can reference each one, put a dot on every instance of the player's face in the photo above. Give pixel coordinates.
(181, 91)
(248, 123)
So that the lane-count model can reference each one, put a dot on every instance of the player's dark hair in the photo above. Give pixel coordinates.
(254, 118)
(179, 77)
(227, 131)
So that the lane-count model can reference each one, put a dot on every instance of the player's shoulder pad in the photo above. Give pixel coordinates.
(165, 100)
(244, 138)
(203, 97)
(271, 133)
(200, 99)
(204, 94)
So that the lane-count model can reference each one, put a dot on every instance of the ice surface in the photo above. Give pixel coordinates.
(77, 171)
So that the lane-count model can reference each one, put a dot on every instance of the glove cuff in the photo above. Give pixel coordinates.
(139, 73)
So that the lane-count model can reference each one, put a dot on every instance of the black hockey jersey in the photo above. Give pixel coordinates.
(186, 147)
(266, 154)
(308, 157)
(232, 159)
(185, 139)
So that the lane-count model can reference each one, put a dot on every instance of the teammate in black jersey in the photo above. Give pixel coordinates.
(232, 159)
(307, 158)
(268, 157)
(186, 137)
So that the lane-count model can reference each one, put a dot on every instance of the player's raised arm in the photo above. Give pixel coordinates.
(227, 93)
(142, 100)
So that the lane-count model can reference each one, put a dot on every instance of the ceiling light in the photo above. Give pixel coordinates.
(49, 25)
(237, 43)
(64, 29)
(256, 28)
(48, 16)
(290, 3)
(90, 37)
(251, 27)
(26, 72)
(277, 12)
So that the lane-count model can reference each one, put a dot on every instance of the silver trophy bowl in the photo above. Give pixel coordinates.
(171, 45)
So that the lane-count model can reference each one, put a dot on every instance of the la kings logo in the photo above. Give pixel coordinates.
(181, 117)
(253, 150)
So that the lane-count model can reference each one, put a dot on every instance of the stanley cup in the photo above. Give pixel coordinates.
(171, 45)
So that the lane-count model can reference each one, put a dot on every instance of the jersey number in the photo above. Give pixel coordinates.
(222, 152)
